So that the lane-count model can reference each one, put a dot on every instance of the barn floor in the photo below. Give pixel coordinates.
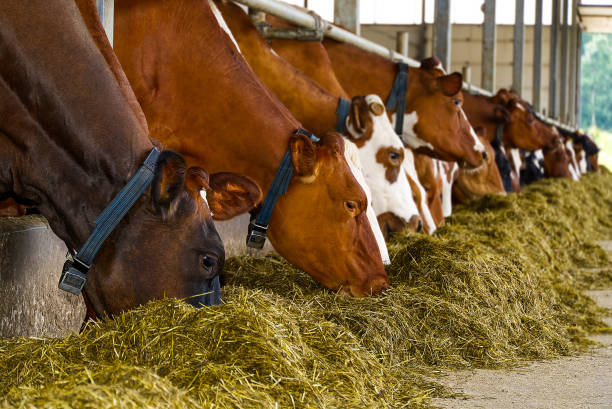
(577, 382)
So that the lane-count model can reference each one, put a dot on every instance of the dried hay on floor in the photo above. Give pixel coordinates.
(498, 285)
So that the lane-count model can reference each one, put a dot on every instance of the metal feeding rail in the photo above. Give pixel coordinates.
(309, 21)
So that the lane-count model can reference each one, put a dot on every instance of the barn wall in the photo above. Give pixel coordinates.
(467, 50)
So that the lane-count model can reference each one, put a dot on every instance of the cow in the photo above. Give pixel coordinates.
(476, 183)
(584, 143)
(556, 159)
(203, 100)
(72, 139)
(434, 122)
(365, 121)
(430, 175)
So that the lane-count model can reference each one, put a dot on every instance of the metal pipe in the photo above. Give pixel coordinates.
(346, 14)
(106, 12)
(402, 42)
(537, 58)
(552, 77)
(301, 18)
(564, 62)
(519, 42)
(442, 33)
(489, 45)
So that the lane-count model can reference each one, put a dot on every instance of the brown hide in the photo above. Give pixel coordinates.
(440, 121)
(556, 161)
(432, 182)
(524, 130)
(476, 183)
(75, 140)
(314, 107)
(309, 57)
(202, 99)
(10, 208)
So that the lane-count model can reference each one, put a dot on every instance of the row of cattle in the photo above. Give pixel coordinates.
(392, 147)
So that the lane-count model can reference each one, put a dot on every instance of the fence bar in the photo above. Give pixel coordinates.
(537, 58)
(489, 45)
(346, 14)
(442, 32)
(519, 42)
(402, 42)
(564, 62)
(106, 11)
(302, 18)
(552, 78)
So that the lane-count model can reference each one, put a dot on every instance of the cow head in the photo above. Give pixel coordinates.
(522, 128)
(429, 176)
(435, 122)
(327, 214)
(381, 153)
(168, 246)
(556, 160)
(479, 182)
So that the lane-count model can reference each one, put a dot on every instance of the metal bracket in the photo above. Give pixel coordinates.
(299, 33)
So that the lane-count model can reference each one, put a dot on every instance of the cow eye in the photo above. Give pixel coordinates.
(208, 261)
(394, 157)
(351, 206)
(457, 101)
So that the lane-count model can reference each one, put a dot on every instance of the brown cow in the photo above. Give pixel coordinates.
(435, 123)
(177, 56)
(70, 142)
(367, 125)
(473, 184)
(430, 176)
(523, 130)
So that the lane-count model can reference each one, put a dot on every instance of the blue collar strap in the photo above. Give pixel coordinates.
(256, 236)
(74, 273)
(344, 106)
(397, 98)
(501, 160)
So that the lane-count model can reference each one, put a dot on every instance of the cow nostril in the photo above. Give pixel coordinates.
(419, 226)
(485, 155)
(383, 288)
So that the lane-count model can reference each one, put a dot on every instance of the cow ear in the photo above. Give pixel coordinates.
(503, 96)
(229, 195)
(197, 179)
(356, 116)
(502, 115)
(303, 157)
(450, 84)
(168, 183)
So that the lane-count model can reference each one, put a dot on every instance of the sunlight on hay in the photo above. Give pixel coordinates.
(499, 284)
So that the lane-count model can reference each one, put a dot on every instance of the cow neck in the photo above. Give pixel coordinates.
(362, 73)
(215, 112)
(314, 107)
(67, 152)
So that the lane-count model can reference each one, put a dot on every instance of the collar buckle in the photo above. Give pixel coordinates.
(256, 236)
(74, 275)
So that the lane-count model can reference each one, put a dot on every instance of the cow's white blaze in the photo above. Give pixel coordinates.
(409, 136)
(390, 197)
(351, 153)
(583, 163)
(515, 155)
(448, 170)
(478, 146)
(573, 165)
(539, 159)
(409, 167)
(222, 23)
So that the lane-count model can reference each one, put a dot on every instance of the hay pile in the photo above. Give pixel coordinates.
(498, 285)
